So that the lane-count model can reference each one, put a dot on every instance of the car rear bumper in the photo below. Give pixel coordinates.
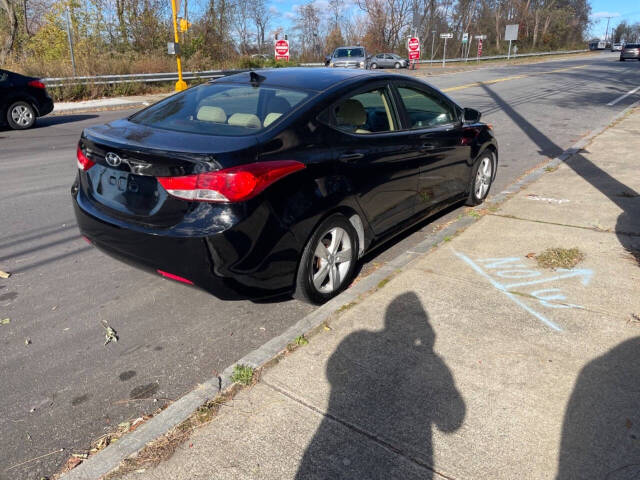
(212, 262)
(630, 56)
(45, 107)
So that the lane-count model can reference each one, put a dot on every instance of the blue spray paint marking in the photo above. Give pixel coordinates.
(502, 288)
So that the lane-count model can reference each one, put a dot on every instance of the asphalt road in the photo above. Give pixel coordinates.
(66, 387)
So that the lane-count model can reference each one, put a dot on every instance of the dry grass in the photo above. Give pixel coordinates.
(559, 258)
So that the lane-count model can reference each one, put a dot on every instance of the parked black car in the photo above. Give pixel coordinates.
(256, 185)
(22, 100)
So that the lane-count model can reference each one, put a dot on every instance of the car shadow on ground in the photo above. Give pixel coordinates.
(389, 389)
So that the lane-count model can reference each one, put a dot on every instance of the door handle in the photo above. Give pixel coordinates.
(350, 157)
(425, 147)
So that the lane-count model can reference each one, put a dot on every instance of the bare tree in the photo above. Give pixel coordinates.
(261, 17)
(12, 20)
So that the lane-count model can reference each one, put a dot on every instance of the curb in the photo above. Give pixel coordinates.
(114, 106)
(110, 458)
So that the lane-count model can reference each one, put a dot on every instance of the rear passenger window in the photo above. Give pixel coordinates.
(221, 109)
(425, 109)
(368, 112)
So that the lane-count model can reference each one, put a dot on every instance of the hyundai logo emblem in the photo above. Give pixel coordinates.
(113, 159)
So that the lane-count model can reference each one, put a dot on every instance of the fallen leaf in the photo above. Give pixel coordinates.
(27, 341)
(110, 334)
(5, 321)
(530, 255)
(4, 274)
(124, 425)
(82, 456)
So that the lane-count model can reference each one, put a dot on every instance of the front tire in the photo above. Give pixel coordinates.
(482, 177)
(397, 65)
(21, 115)
(328, 261)
(374, 66)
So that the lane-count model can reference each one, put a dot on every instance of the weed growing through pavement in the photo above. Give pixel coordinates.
(474, 213)
(550, 169)
(559, 257)
(242, 374)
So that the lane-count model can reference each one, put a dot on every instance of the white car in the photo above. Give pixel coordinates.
(616, 47)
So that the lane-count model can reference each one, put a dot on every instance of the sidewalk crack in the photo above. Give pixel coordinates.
(359, 430)
(582, 227)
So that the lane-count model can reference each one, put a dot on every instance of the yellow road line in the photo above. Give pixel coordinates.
(506, 79)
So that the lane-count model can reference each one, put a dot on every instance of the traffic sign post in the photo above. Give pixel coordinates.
(444, 51)
(282, 50)
(479, 38)
(511, 33)
(413, 46)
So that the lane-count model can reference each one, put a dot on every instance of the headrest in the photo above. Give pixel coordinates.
(351, 112)
(248, 120)
(270, 118)
(211, 114)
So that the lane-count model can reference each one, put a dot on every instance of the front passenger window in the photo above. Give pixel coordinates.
(364, 113)
(425, 109)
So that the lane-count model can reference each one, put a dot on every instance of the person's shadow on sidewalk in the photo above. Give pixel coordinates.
(387, 390)
(601, 431)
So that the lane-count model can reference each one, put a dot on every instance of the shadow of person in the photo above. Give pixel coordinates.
(387, 390)
(601, 430)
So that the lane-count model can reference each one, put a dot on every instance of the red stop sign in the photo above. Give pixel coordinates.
(414, 48)
(282, 49)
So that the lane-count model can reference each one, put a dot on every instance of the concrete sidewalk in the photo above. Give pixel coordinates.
(473, 362)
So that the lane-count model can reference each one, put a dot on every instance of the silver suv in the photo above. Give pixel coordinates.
(349, 57)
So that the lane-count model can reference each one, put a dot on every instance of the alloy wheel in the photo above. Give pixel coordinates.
(331, 260)
(483, 177)
(22, 115)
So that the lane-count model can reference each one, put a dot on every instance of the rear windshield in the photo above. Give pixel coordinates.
(632, 45)
(349, 52)
(222, 109)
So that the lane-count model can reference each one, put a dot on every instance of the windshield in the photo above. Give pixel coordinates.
(221, 109)
(349, 52)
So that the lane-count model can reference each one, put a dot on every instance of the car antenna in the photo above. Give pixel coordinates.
(256, 79)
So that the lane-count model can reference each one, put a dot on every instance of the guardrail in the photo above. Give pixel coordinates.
(498, 57)
(211, 74)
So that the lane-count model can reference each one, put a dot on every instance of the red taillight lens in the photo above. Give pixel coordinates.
(234, 184)
(36, 84)
(84, 163)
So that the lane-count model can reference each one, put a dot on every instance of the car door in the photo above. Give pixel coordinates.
(372, 153)
(435, 137)
(4, 92)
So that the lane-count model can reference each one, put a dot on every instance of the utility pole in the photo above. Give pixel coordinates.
(606, 32)
(180, 84)
(73, 57)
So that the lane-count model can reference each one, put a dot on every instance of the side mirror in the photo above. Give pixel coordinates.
(471, 115)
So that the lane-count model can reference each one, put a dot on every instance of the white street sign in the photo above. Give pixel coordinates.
(511, 32)
(446, 35)
(480, 37)
(465, 37)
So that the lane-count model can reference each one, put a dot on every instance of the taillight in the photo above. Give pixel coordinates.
(84, 163)
(36, 84)
(234, 184)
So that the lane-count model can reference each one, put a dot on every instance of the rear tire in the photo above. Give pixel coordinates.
(482, 177)
(21, 115)
(374, 66)
(328, 261)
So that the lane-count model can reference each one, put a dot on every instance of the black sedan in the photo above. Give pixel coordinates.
(260, 184)
(22, 100)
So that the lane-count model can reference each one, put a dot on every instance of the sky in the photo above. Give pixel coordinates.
(283, 12)
(628, 10)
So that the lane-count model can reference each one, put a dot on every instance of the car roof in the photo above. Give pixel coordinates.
(301, 78)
